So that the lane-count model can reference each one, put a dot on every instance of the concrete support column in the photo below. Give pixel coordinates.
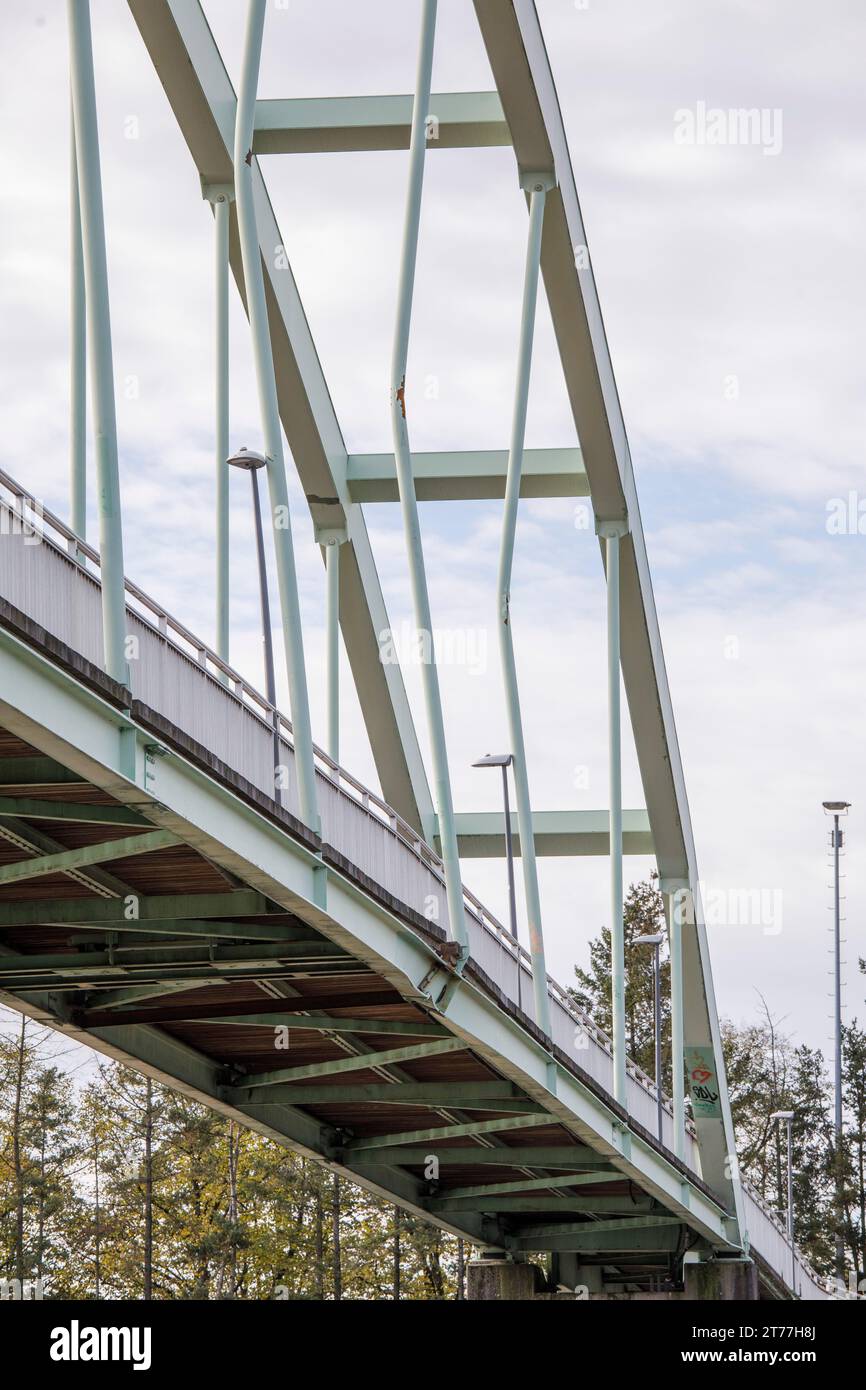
(733, 1281)
(489, 1280)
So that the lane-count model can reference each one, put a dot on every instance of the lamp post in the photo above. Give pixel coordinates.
(504, 760)
(837, 809)
(788, 1117)
(655, 940)
(252, 462)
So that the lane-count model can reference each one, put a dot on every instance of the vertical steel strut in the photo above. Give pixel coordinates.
(99, 339)
(332, 639)
(612, 533)
(677, 917)
(506, 641)
(78, 353)
(406, 485)
(221, 276)
(278, 488)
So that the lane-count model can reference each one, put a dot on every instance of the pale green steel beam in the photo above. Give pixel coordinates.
(408, 501)
(533, 1185)
(653, 1238)
(36, 772)
(188, 926)
(449, 1094)
(130, 958)
(457, 1107)
(220, 203)
(287, 578)
(481, 834)
(166, 907)
(113, 591)
(468, 475)
(332, 654)
(521, 68)
(363, 1062)
(314, 125)
(326, 1024)
(612, 533)
(590, 1206)
(116, 998)
(80, 858)
(37, 808)
(470, 1128)
(517, 744)
(544, 1156)
(190, 976)
(676, 901)
(640, 1223)
(198, 89)
(77, 353)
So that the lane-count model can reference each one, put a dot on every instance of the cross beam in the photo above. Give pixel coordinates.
(324, 1023)
(481, 834)
(590, 1206)
(544, 1156)
(534, 1184)
(471, 1095)
(471, 1128)
(189, 1012)
(468, 475)
(316, 125)
(82, 812)
(85, 855)
(363, 1062)
(61, 912)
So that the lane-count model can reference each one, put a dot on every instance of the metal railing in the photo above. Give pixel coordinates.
(34, 517)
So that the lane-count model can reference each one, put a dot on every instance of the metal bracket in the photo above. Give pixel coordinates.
(217, 192)
(537, 180)
(610, 527)
(330, 535)
(673, 885)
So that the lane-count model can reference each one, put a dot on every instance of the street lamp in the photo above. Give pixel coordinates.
(655, 940)
(252, 462)
(504, 760)
(788, 1117)
(837, 809)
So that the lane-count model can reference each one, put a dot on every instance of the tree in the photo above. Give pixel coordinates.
(643, 915)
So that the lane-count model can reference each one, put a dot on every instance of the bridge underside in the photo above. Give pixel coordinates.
(156, 955)
(122, 925)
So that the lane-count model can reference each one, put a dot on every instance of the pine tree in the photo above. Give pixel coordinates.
(643, 915)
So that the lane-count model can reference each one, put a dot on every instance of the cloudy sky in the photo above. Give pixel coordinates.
(732, 286)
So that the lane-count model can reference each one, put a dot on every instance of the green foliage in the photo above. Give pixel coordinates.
(643, 915)
(766, 1072)
(124, 1189)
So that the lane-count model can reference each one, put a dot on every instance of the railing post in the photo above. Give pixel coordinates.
(220, 199)
(612, 532)
(676, 891)
(537, 185)
(78, 355)
(269, 408)
(99, 338)
(406, 485)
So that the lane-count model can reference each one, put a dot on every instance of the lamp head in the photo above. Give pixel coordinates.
(249, 459)
(494, 760)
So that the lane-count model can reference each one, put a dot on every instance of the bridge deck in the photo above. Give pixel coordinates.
(201, 986)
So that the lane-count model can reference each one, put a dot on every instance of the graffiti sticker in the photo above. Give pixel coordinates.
(703, 1083)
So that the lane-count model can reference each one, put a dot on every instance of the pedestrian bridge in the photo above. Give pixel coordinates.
(189, 884)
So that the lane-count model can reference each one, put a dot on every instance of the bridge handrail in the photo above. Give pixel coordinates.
(148, 610)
